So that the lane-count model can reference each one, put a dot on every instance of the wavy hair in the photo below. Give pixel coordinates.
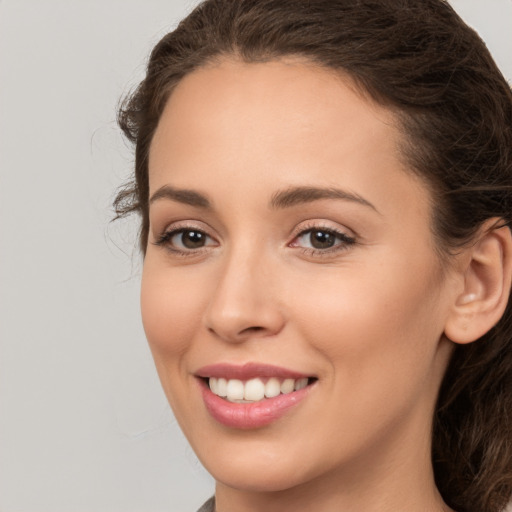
(454, 107)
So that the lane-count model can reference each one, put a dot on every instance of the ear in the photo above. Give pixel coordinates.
(486, 275)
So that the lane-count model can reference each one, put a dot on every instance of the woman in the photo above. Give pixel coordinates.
(325, 195)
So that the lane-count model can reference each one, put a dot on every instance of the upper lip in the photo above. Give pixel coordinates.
(247, 371)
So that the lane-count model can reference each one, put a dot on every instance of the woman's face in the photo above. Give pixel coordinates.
(289, 245)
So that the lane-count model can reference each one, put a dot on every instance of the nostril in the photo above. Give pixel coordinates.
(252, 330)
(247, 330)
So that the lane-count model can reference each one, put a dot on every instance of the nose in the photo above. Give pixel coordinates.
(245, 303)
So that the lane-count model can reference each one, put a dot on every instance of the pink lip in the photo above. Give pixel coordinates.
(249, 415)
(248, 371)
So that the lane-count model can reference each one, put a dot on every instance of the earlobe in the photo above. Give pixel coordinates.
(486, 276)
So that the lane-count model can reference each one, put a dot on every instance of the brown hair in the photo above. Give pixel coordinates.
(455, 110)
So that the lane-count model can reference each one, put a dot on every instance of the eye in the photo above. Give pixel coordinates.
(189, 239)
(319, 239)
(322, 240)
(185, 240)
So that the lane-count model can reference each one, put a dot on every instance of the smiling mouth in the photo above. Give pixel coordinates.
(256, 389)
(252, 395)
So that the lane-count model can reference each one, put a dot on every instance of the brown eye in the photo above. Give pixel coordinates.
(189, 239)
(322, 239)
(185, 241)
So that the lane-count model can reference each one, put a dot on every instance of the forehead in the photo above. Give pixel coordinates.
(284, 99)
(287, 122)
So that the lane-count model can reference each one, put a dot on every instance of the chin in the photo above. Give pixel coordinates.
(257, 468)
(256, 479)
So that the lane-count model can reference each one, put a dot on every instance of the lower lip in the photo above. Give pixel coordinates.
(250, 415)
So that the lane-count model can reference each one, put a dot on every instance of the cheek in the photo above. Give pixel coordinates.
(380, 325)
(170, 306)
(378, 339)
(171, 312)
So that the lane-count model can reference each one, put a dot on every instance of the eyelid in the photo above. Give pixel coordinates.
(185, 224)
(322, 224)
(345, 237)
(345, 240)
(163, 238)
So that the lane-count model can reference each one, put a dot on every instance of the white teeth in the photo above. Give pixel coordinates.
(254, 390)
(222, 387)
(287, 386)
(272, 388)
(301, 383)
(235, 390)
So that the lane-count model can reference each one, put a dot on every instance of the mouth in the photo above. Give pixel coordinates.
(255, 389)
(252, 395)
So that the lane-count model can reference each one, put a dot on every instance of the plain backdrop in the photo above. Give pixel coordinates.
(84, 425)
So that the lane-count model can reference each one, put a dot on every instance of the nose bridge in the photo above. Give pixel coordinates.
(244, 302)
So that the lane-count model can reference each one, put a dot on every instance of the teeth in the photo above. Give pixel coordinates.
(222, 387)
(254, 390)
(272, 388)
(301, 383)
(287, 386)
(235, 390)
(214, 386)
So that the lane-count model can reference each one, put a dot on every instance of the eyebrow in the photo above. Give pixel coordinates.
(300, 195)
(181, 195)
(283, 199)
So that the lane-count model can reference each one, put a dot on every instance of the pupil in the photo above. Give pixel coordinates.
(322, 239)
(193, 239)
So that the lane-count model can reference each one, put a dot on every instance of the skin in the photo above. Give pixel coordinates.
(366, 318)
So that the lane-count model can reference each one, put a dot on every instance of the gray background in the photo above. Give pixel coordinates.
(84, 425)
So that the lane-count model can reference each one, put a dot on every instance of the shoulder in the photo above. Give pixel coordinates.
(208, 506)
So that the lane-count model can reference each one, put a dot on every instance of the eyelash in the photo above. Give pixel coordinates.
(346, 241)
(164, 240)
